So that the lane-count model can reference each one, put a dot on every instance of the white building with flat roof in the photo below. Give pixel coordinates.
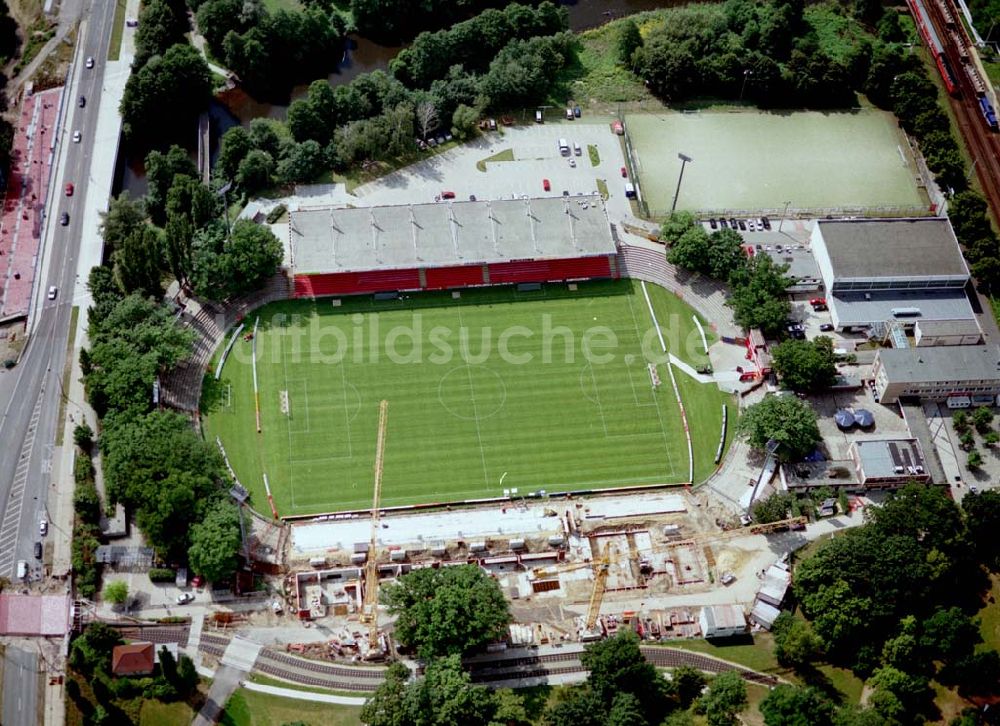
(722, 621)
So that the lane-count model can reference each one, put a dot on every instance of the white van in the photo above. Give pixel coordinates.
(22, 569)
(577, 151)
(564, 147)
(538, 117)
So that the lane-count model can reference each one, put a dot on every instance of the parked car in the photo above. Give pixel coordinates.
(712, 223)
(43, 527)
(538, 117)
(766, 222)
(184, 597)
(197, 581)
(53, 291)
(38, 550)
(82, 101)
(546, 185)
(733, 223)
(569, 114)
(723, 223)
(572, 162)
(752, 225)
(747, 377)
(820, 308)
(577, 111)
(76, 137)
(624, 173)
(90, 61)
(447, 195)
(817, 301)
(132, 23)
(472, 197)
(728, 578)
(742, 224)
(69, 190)
(826, 327)
(577, 151)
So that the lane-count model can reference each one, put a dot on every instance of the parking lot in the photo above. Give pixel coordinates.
(535, 157)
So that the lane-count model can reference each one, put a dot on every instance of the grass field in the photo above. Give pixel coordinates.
(545, 390)
(251, 708)
(759, 161)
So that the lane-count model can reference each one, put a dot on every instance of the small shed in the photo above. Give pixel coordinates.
(722, 621)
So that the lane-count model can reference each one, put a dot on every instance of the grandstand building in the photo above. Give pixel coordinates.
(449, 245)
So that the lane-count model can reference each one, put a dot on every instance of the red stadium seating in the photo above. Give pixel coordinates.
(549, 270)
(442, 278)
(352, 283)
(504, 273)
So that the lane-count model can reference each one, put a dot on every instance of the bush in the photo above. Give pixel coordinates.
(275, 214)
(87, 503)
(161, 574)
(83, 436)
(83, 469)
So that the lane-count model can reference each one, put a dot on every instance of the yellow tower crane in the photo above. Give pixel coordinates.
(369, 608)
(601, 567)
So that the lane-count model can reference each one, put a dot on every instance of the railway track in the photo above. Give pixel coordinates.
(156, 633)
(983, 144)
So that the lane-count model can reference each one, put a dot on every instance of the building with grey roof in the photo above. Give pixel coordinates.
(936, 373)
(888, 463)
(447, 233)
(802, 267)
(878, 270)
(722, 621)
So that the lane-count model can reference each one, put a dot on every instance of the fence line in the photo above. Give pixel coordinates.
(775, 213)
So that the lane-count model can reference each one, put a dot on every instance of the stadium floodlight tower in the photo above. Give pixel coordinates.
(684, 160)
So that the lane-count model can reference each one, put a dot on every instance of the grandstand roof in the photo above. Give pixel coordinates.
(326, 240)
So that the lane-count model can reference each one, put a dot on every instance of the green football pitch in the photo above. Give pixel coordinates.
(547, 390)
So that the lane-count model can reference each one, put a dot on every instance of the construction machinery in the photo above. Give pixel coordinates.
(369, 608)
(768, 528)
(602, 565)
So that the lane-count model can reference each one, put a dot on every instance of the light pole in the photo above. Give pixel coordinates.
(783, 215)
(746, 75)
(684, 160)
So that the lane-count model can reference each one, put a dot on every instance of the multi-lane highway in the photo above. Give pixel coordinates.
(20, 688)
(31, 394)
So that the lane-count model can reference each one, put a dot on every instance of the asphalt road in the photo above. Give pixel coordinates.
(30, 395)
(20, 688)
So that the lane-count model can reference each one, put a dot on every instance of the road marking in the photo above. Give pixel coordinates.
(12, 513)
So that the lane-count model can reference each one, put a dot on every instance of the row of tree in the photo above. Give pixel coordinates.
(474, 43)
(393, 22)
(968, 214)
(757, 284)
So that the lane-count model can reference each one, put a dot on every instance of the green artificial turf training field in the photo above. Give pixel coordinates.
(490, 392)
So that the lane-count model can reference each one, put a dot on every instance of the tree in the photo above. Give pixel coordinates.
(758, 296)
(974, 459)
(581, 707)
(215, 543)
(617, 666)
(727, 696)
(92, 650)
(967, 212)
(124, 216)
(303, 163)
(116, 592)
(688, 682)
(787, 705)
(237, 265)
(161, 171)
(161, 25)
(982, 517)
(463, 121)
(255, 171)
(982, 418)
(427, 118)
(691, 250)
(795, 643)
(950, 635)
(626, 710)
(137, 261)
(629, 41)
(772, 509)
(163, 98)
(805, 365)
(446, 611)
(785, 419)
(676, 225)
(896, 694)
(236, 144)
(960, 420)
(386, 705)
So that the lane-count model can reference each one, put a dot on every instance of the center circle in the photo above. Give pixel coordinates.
(472, 393)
